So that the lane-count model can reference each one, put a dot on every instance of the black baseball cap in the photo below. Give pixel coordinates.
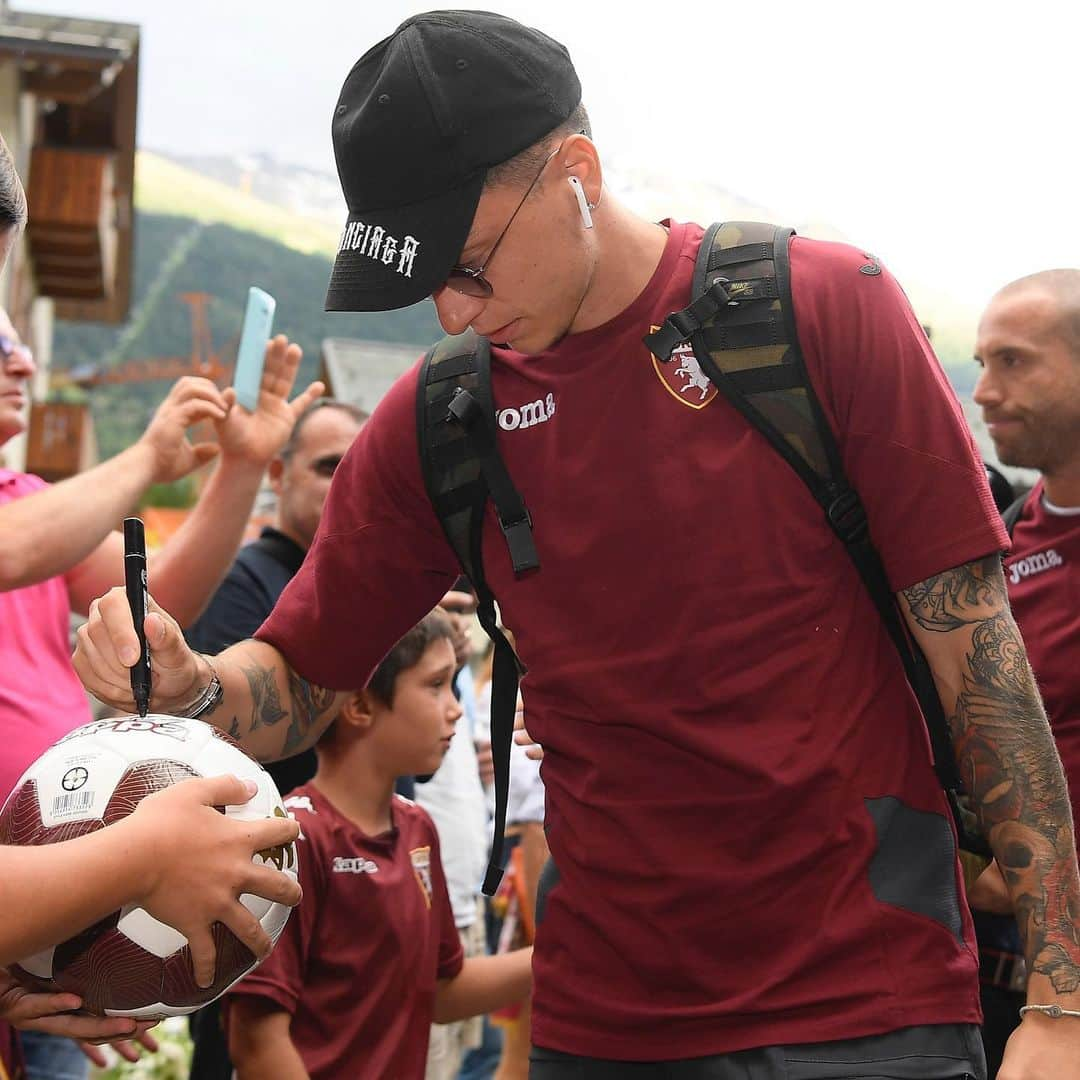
(421, 118)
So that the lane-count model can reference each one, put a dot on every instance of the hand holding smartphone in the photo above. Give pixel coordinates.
(258, 322)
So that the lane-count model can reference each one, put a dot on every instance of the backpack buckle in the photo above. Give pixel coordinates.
(680, 326)
(463, 408)
(685, 323)
(847, 517)
(519, 540)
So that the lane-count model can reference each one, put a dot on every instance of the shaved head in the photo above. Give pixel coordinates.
(1063, 288)
(1028, 345)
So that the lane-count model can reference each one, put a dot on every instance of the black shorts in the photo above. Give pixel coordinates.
(930, 1052)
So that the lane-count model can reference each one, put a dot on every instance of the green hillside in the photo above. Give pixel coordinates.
(166, 187)
(195, 234)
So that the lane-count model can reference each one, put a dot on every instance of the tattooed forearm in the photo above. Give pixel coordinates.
(1009, 761)
(266, 707)
(957, 597)
(307, 705)
(309, 702)
(1012, 769)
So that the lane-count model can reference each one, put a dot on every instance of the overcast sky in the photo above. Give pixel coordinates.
(942, 136)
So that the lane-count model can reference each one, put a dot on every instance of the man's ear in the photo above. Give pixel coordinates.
(275, 471)
(580, 159)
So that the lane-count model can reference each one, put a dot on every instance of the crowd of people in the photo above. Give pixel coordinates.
(749, 863)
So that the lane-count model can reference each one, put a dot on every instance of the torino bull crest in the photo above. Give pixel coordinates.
(683, 378)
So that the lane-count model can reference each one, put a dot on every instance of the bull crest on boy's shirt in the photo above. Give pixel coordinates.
(421, 864)
(683, 378)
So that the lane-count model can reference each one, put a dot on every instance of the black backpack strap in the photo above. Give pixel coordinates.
(459, 456)
(742, 330)
(506, 672)
(462, 469)
(1012, 513)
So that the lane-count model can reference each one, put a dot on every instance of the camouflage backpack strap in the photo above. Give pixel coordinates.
(743, 332)
(462, 469)
(742, 328)
(741, 325)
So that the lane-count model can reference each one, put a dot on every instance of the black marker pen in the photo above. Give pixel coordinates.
(138, 601)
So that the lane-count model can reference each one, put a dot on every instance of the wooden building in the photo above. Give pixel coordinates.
(68, 99)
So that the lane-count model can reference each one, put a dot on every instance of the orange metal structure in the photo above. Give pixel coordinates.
(203, 361)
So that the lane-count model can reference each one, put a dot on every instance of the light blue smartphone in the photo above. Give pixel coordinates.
(258, 322)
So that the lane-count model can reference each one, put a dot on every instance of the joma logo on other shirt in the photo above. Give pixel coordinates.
(1034, 564)
(524, 416)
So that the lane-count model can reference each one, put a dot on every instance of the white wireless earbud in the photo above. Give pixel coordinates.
(583, 203)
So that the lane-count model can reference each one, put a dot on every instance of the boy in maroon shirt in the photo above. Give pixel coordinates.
(373, 956)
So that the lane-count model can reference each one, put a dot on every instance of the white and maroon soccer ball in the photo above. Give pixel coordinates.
(130, 964)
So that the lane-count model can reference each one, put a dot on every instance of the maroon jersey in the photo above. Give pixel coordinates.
(1043, 577)
(724, 716)
(357, 963)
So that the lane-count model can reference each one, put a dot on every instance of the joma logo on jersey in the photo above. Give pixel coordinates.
(683, 378)
(1034, 564)
(525, 416)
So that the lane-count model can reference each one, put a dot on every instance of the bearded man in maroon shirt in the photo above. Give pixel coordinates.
(1028, 347)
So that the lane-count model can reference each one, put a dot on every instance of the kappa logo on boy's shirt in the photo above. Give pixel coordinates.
(344, 864)
(421, 864)
(1034, 564)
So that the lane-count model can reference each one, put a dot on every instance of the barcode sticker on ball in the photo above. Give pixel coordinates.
(74, 802)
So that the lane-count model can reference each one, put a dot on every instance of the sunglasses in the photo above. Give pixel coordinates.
(469, 282)
(9, 347)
